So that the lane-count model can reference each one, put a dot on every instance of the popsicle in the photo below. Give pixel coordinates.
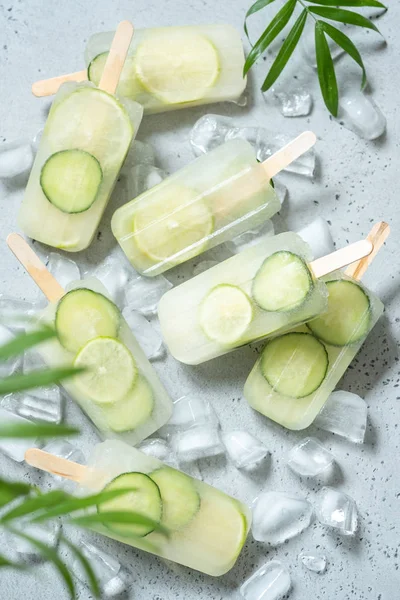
(298, 370)
(168, 67)
(210, 201)
(120, 391)
(85, 140)
(207, 528)
(260, 292)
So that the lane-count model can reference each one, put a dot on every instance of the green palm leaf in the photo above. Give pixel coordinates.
(345, 42)
(326, 71)
(258, 5)
(85, 564)
(34, 379)
(356, 3)
(35, 430)
(343, 16)
(24, 341)
(10, 490)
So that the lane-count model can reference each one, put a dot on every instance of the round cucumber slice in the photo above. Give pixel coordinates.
(172, 220)
(225, 314)
(128, 86)
(111, 370)
(178, 67)
(83, 315)
(348, 318)
(282, 283)
(144, 499)
(133, 410)
(294, 364)
(70, 180)
(92, 120)
(180, 499)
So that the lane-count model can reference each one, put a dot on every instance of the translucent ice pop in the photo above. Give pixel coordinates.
(169, 67)
(211, 200)
(207, 528)
(120, 391)
(298, 370)
(85, 140)
(260, 292)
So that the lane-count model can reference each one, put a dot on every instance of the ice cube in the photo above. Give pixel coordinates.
(139, 153)
(144, 293)
(204, 265)
(310, 458)
(189, 411)
(307, 45)
(146, 335)
(345, 414)
(249, 238)
(280, 190)
(318, 236)
(64, 449)
(63, 269)
(144, 177)
(244, 450)
(12, 447)
(313, 561)
(293, 103)
(16, 313)
(360, 114)
(47, 533)
(16, 158)
(337, 510)
(197, 442)
(107, 569)
(46, 407)
(270, 582)
(114, 276)
(268, 143)
(209, 132)
(278, 516)
(250, 134)
(13, 364)
(158, 448)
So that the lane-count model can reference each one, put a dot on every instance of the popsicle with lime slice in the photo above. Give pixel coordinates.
(206, 528)
(210, 201)
(258, 293)
(168, 68)
(85, 140)
(118, 389)
(297, 371)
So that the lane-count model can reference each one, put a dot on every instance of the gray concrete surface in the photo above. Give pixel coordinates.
(357, 183)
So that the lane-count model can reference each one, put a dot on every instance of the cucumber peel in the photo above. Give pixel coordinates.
(181, 501)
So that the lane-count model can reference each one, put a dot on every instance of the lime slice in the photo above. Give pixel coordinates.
(173, 222)
(225, 314)
(177, 66)
(111, 370)
(128, 86)
(91, 120)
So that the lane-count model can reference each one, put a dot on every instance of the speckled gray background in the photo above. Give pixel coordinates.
(357, 184)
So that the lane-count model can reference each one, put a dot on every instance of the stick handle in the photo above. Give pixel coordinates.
(34, 266)
(341, 258)
(55, 465)
(377, 236)
(289, 153)
(116, 57)
(48, 87)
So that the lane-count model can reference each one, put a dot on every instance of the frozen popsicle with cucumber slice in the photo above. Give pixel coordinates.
(168, 67)
(119, 389)
(210, 201)
(258, 293)
(85, 140)
(297, 371)
(206, 528)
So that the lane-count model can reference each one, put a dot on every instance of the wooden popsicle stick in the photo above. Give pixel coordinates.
(116, 57)
(34, 266)
(289, 153)
(55, 465)
(341, 258)
(377, 236)
(48, 87)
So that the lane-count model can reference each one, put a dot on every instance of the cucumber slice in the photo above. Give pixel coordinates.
(173, 219)
(70, 180)
(348, 318)
(178, 67)
(128, 86)
(144, 499)
(111, 370)
(132, 411)
(83, 315)
(282, 283)
(180, 499)
(294, 364)
(225, 314)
